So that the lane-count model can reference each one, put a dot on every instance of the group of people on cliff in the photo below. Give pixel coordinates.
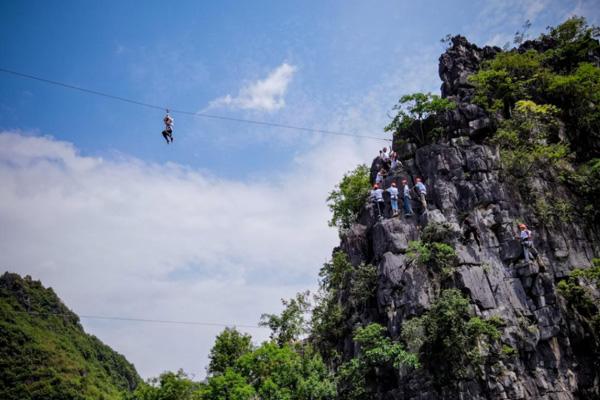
(389, 161)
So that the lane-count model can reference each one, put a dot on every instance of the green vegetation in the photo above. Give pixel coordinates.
(547, 107)
(561, 77)
(45, 354)
(576, 289)
(349, 196)
(412, 112)
(440, 257)
(288, 326)
(168, 386)
(377, 352)
(448, 339)
(585, 181)
(229, 346)
(330, 316)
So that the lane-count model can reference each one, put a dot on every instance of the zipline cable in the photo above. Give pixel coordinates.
(157, 321)
(192, 113)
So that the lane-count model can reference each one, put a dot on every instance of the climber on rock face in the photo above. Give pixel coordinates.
(380, 176)
(421, 190)
(377, 198)
(470, 229)
(406, 199)
(168, 132)
(395, 162)
(529, 251)
(393, 191)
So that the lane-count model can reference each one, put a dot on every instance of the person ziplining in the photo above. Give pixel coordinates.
(168, 132)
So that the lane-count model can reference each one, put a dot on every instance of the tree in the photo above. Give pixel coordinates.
(291, 323)
(168, 386)
(417, 107)
(229, 346)
(349, 196)
(229, 385)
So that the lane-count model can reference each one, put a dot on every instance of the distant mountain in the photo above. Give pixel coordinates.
(45, 353)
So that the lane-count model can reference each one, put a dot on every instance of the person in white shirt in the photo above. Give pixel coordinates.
(168, 132)
(406, 199)
(384, 155)
(377, 198)
(529, 251)
(393, 191)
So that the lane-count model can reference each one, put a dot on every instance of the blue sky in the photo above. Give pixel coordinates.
(98, 206)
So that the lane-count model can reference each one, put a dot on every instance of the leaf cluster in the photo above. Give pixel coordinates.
(348, 197)
(448, 339)
(414, 109)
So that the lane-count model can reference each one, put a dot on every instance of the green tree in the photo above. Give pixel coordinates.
(377, 354)
(448, 339)
(229, 385)
(229, 346)
(417, 107)
(291, 323)
(168, 386)
(348, 197)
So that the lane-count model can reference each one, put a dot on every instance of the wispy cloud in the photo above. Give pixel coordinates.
(263, 95)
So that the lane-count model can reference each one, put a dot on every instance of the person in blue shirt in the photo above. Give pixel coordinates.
(393, 191)
(421, 190)
(406, 199)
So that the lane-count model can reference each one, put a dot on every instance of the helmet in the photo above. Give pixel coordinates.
(522, 226)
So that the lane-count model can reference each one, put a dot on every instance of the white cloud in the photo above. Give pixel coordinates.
(263, 95)
(128, 238)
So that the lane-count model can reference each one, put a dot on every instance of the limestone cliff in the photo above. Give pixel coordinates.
(555, 353)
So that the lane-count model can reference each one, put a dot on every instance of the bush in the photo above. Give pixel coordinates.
(448, 339)
(378, 353)
(415, 109)
(440, 257)
(349, 196)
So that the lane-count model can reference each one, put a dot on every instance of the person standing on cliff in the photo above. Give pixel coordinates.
(393, 191)
(380, 176)
(529, 251)
(377, 198)
(408, 212)
(421, 190)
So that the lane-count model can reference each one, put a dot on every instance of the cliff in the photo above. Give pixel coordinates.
(547, 348)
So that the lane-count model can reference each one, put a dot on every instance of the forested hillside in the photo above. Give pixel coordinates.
(45, 353)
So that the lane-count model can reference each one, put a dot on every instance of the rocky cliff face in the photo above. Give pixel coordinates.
(554, 356)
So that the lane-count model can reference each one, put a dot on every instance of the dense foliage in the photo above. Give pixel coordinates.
(578, 289)
(348, 198)
(378, 353)
(565, 75)
(448, 339)
(413, 110)
(45, 354)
